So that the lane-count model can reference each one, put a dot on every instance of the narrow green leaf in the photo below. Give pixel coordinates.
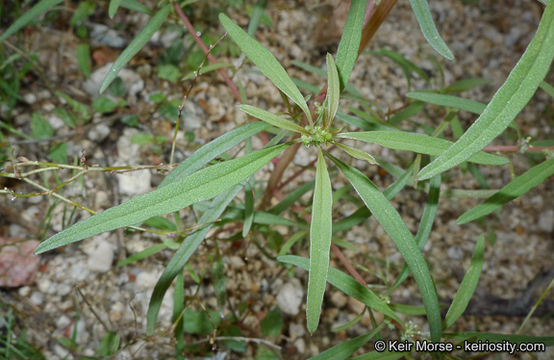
(425, 224)
(218, 277)
(142, 254)
(349, 44)
(468, 285)
(183, 254)
(273, 119)
(206, 69)
(345, 349)
(213, 149)
(135, 6)
(412, 310)
(347, 285)
(515, 188)
(83, 58)
(112, 9)
(292, 197)
(40, 8)
(333, 91)
(320, 242)
(257, 15)
(177, 319)
(549, 89)
(201, 185)
(248, 210)
(420, 143)
(423, 15)
(393, 225)
(448, 100)
(358, 154)
(266, 62)
(291, 241)
(508, 101)
(413, 109)
(407, 66)
(134, 47)
(272, 324)
(465, 85)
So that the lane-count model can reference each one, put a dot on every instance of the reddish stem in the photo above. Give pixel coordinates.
(206, 51)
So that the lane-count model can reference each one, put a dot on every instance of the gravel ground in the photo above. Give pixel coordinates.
(79, 287)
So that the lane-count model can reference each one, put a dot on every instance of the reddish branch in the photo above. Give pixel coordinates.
(206, 51)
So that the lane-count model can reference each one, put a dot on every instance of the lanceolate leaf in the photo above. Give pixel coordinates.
(420, 143)
(273, 119)
(213, 149)
(320, 242)
(333, 91)
(112, 9)
(517, 187)
(199, 186)
(37, 10)
(468, 285)
(266, 62)
(345, 349)
(448, 100)
(507, 102)
(183, 254)
(349, 45)
(347, 285)
(422, 13)
(358, 154)
(135, 45)
(392, 223)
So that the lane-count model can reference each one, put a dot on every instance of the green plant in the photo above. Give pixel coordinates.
(314, 127)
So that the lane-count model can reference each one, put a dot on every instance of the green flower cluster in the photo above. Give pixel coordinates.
(317, 136)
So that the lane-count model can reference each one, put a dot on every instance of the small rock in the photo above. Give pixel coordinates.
(290, 297)
(338, 299)
(455, 253)
(355, 305)
(30, 98)
(18, 263)
(236, 262)
(55, 122)
(546, 221)
(102, 35)
(192, 116)
(100, 257)
(146, 280)
(62, 322)
(37, 298)
(133, 82)
(63, 289)
(296, 330)
(303, 157)
(101, 199)
(99, 132)
(300, 345)
(134, 183)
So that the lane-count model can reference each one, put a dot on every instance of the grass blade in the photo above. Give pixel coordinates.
(420, 143)
(448, 100)
(347, 285)
(212, 150)
(468, 285)
(183, 254)
(333, 91)
(273, 119)
(347, 348)
(320, 242)
(517, 187)
(136, 6)
(423, 15)
(266, 62)
(393, 225)
(257, 15)
(508, 101)
(248, 209)
(349, 44)
(547, 88)
(138, 42)
(37, 10)
(201, 185)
